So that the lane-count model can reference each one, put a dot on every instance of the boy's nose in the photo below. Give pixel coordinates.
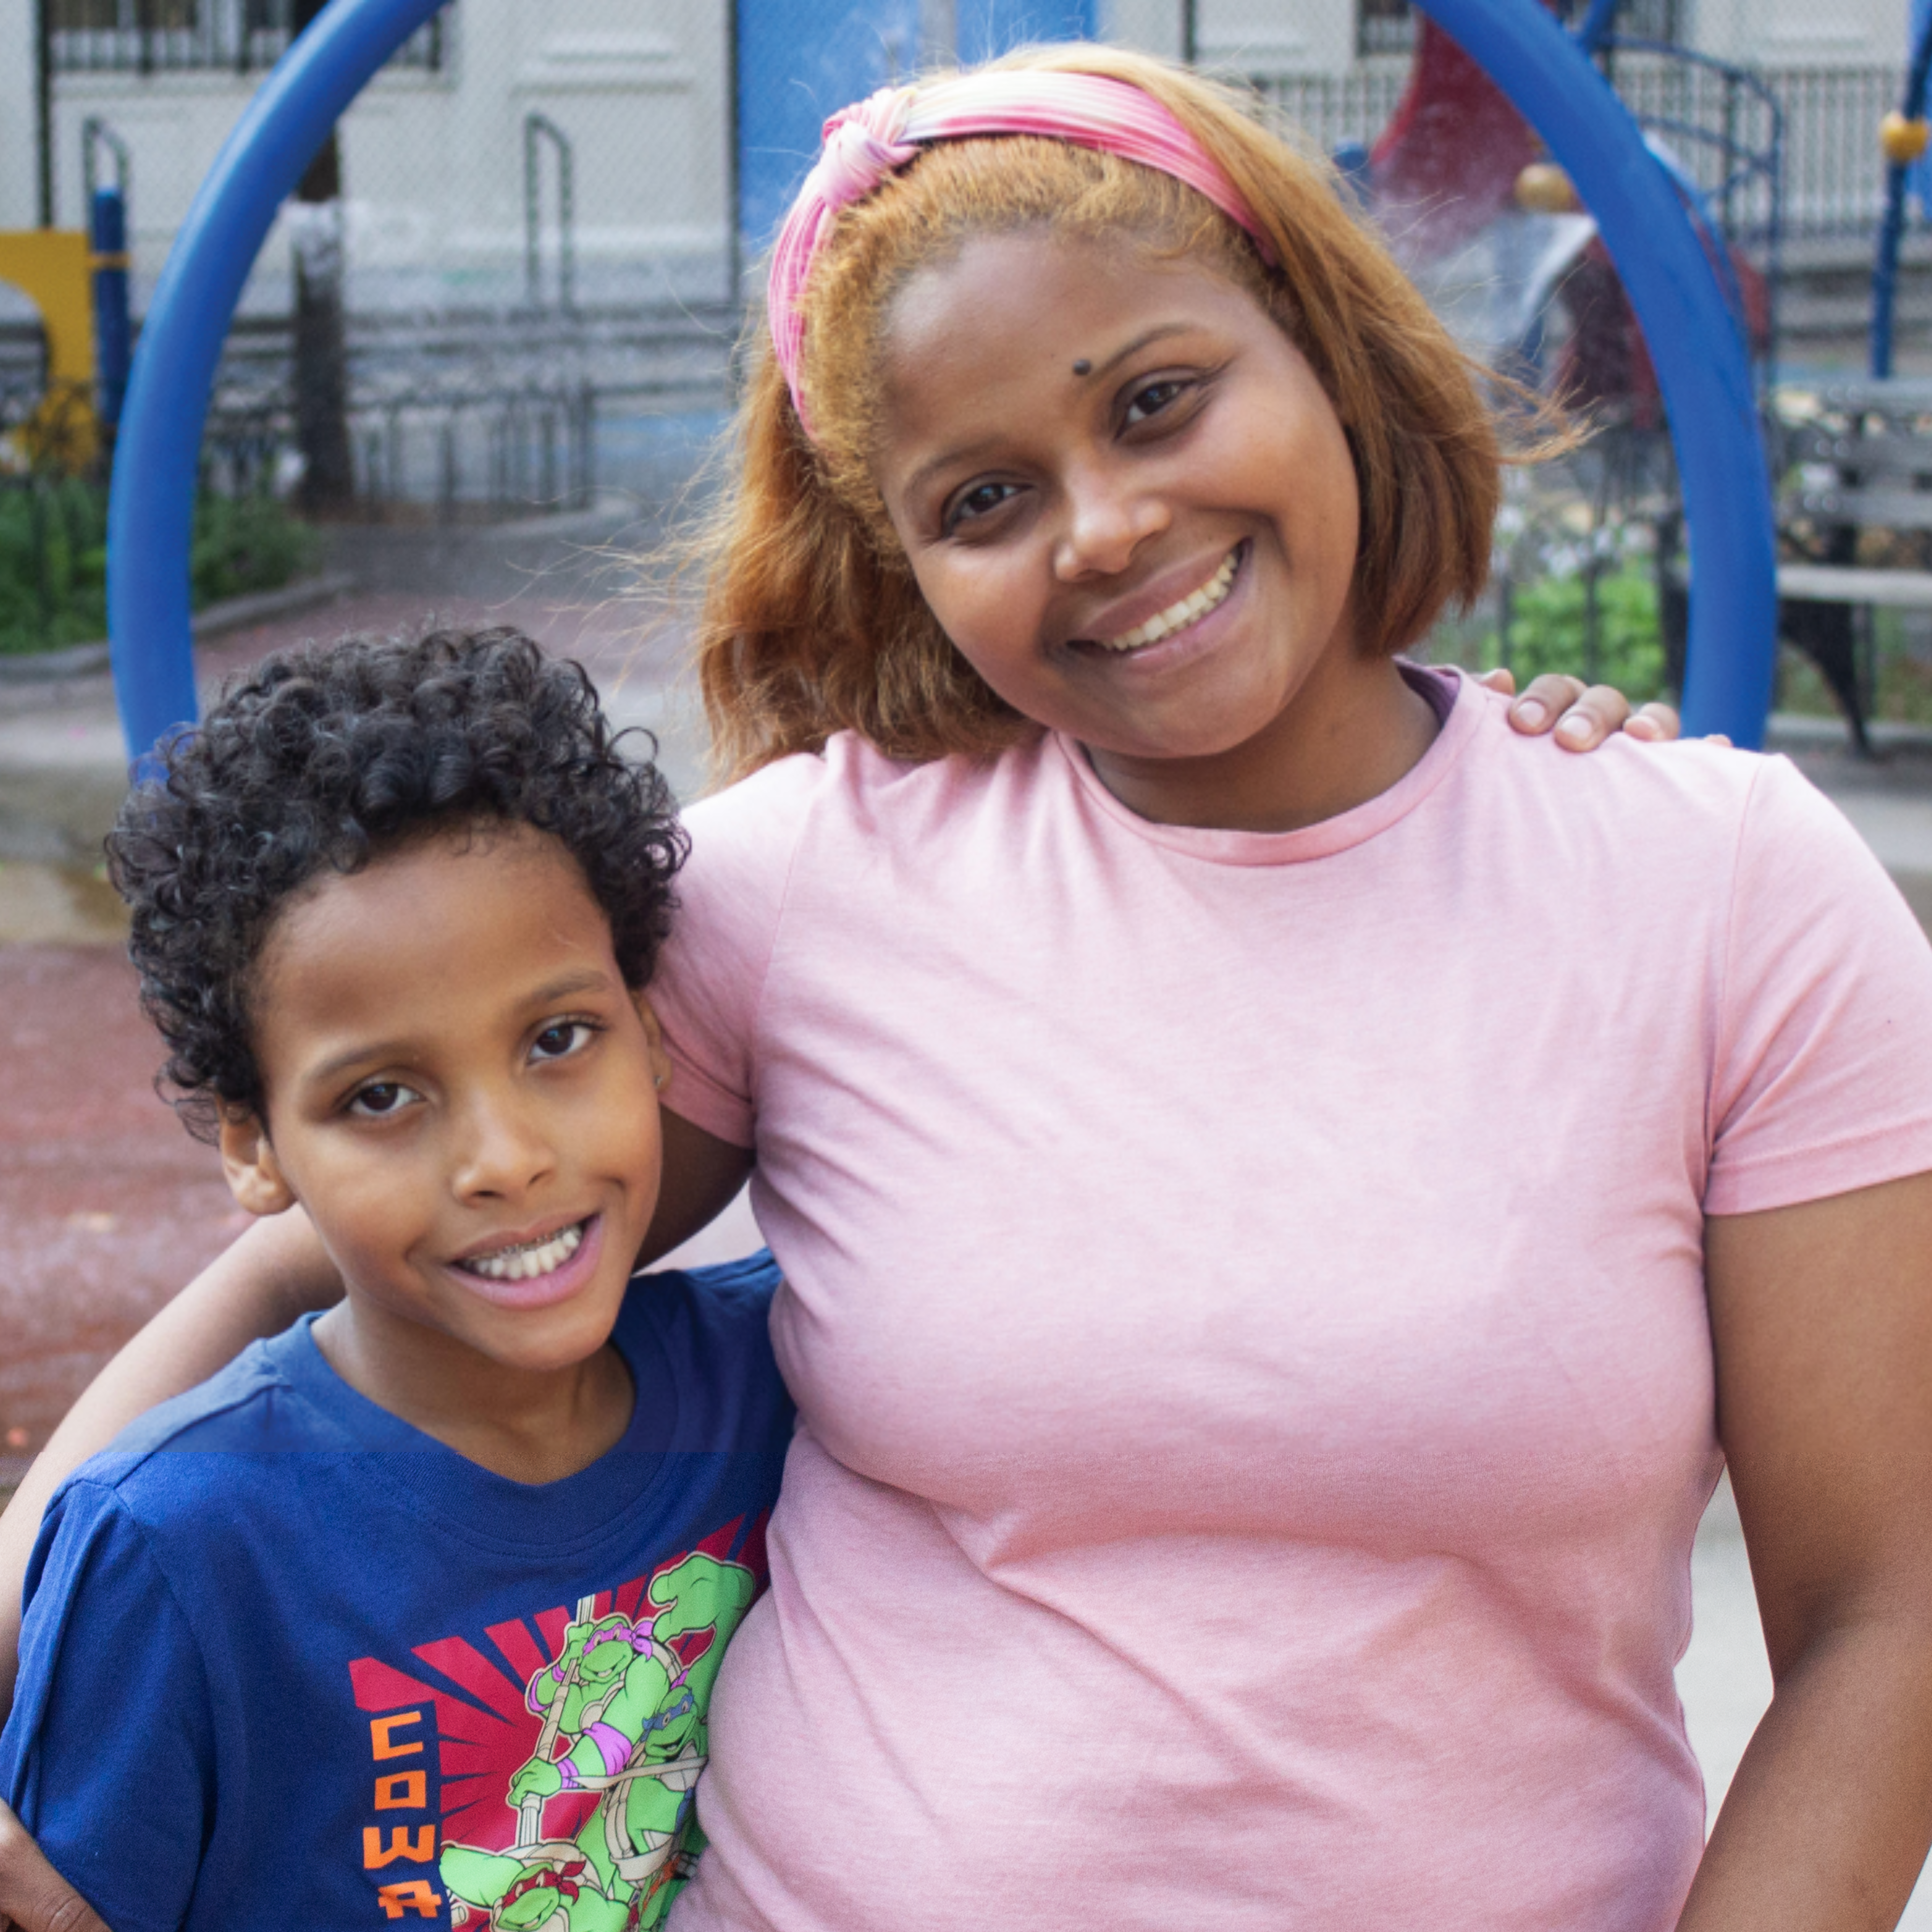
(1108, 517)
(501, 1149)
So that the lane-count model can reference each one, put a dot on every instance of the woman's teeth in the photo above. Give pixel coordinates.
(1178, 616)
(532, 1259)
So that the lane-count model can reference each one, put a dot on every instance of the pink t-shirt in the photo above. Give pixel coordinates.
(1245, 1305)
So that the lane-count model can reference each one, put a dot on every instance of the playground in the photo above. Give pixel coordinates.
(1600, 214)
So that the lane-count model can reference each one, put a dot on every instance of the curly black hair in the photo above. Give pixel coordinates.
(323, 758)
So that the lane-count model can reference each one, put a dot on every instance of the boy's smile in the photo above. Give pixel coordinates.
(459, 1093)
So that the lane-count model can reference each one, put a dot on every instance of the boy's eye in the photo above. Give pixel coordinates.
(559, 1040)
(979, 501)
(381, 1099)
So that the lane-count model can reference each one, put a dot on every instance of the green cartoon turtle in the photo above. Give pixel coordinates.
(632, 1718)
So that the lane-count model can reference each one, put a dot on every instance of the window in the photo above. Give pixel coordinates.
(1388, 26)
(1383, 27)
(162, 36)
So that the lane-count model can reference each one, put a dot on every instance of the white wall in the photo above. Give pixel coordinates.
(1269, 36)
(1801, 33)
(433, 164)
(1154, 26)
(19, 176)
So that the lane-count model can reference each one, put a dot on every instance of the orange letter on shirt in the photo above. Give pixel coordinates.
(419, 1851)
(396, 1899)
(383, 1745)
(403, 1791)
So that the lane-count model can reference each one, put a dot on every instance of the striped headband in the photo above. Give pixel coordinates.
(866, 143)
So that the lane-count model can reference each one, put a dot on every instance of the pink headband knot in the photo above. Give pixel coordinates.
(862, 146)
(874, 138)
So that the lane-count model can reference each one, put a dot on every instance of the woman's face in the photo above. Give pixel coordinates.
(1123, 493)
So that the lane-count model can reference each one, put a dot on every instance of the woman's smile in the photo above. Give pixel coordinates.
(1181, 615)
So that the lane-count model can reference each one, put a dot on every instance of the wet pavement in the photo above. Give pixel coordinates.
(107, 1205)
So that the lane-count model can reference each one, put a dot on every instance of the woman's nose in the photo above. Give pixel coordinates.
(1108, 517)
(501, 1148)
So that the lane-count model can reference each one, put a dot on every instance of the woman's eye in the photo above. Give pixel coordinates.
(560, 1041)
(381, 1099)
(979, 501)
(1153, 399)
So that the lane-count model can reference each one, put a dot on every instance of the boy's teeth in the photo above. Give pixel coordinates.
(532, 1259)
(1178, 616)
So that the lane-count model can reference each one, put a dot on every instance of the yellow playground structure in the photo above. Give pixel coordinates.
(53, 268)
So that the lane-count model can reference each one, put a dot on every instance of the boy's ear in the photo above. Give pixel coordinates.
(660, 1060)
(254, 1175)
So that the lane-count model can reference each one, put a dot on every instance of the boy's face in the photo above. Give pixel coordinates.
(460, 1093)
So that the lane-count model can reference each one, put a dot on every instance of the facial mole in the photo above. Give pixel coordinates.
(1083, 367)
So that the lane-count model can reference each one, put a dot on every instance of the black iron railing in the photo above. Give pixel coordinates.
(196, 36)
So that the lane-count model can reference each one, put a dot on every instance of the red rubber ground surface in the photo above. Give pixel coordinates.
(107, 1205)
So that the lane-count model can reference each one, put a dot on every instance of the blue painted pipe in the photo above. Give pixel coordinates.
(1597, 24)
(1891, 230)
(151, 512)
(1702, 365)
(113, 335)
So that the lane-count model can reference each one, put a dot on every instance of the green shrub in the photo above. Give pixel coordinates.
(53, 559)
(1547, 627)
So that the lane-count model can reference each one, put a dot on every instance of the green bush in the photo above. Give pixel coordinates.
(53, 559)
(1547, 625)
(53, 565)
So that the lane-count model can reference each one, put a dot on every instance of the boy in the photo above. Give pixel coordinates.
(299, 1649)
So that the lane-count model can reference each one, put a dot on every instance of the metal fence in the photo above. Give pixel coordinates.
(1834, 173)
(183, 36)
(459, 417)
(1834, 177)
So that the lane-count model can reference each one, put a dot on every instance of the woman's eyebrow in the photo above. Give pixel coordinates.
(1146, 340)
(947, 459)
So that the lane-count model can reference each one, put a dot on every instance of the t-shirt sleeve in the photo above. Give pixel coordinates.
(710, 977)
(108, 1757)
(1823, 1075)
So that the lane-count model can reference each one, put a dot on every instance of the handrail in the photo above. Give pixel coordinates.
(95, 133)
(538, 128)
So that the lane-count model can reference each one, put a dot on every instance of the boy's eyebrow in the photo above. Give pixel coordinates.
(590, 979)
(1146, 339)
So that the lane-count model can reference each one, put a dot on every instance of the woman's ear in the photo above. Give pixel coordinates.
(254, 1175)
(660, 1060)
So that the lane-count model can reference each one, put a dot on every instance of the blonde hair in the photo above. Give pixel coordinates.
(811, 621)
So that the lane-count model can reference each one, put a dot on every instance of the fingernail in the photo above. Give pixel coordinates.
(1532, 712)
(1641, 727)
(1575, 731)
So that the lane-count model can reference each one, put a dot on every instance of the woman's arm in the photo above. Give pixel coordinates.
(34, 1897)
(274, 1272)
(1822, 1319)
(702, 1175)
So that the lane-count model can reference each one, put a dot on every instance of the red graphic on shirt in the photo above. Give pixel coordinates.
(478, 1716)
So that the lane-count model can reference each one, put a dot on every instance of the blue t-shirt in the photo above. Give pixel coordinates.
(289, 1662)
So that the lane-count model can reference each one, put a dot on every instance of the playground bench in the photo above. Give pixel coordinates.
(1863, 462)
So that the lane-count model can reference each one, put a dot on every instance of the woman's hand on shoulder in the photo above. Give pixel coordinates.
(1582, 716)
(34, 1897)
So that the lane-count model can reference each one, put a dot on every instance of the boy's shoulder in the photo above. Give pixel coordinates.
(258, 1405)
(710, 1326)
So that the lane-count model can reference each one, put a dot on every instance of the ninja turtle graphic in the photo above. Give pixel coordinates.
(629, 1716)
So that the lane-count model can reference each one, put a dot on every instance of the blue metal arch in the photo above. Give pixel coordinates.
(1701, 363)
